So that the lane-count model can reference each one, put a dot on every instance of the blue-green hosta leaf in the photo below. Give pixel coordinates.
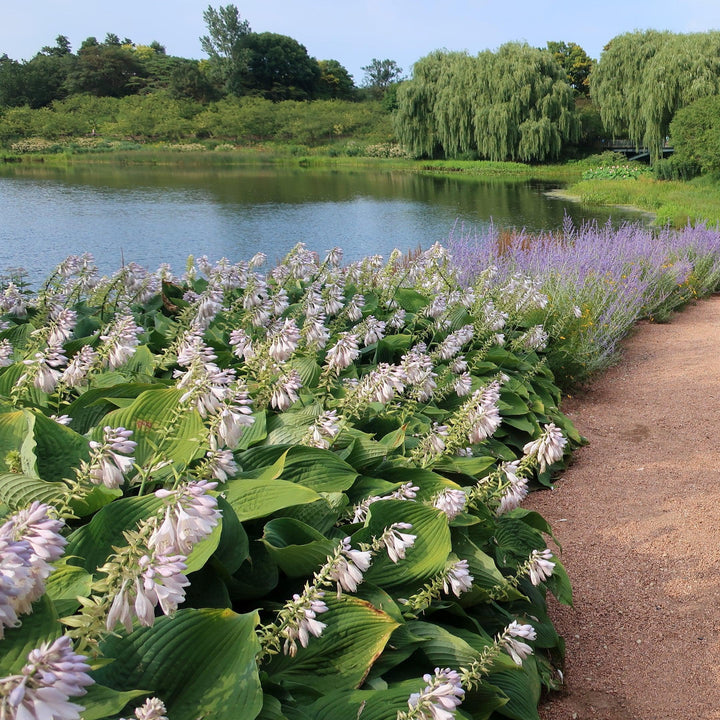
(18, 491)
(424, 559)
(297, 548)
(341, 657)
(522, 687)
(200, 662)
(320, 470)
(255, 433)
(150, 416)
(58, 448)
(38, 627)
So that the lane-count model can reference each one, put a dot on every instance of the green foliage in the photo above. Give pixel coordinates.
(695, 132)
(615, 172)
(335, 81)
(576, 63)
(511, 105)
(381, 75)
(644, 78)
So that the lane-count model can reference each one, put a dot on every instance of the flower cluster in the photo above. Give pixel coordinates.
(110, 460)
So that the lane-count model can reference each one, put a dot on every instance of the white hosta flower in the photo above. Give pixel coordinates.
(233, 418)
(516, 491)
(435, 438)
(541, 567)
(374, 330)
(303, 621)
(418, 370)
(110, 460)
(6, 353)
(284, 341)
(454, 342)
(349, 566)
(407, 491)
(385, 382)
(458, 578)
(536, 338)
(397, 542)
(343, 353)
(333, 296)
(42, 690)
(120, 340)
(517, 649)
(324, 429)
(548, 448)
(459, 365)
(397, 320)
(484, 415)
(61, 419)
(354, 308)
(577, 312)
(314, 331)
(284, 392)
(61, 326)
(75, 374)
(451, 501)
(43, 368)
(241, 344)
(191, 515)
(439, 698)
(462, 384)
(152, 709)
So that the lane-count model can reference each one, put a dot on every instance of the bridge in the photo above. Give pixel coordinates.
(631, 151)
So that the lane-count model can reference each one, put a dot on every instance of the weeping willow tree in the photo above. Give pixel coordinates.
(644, 78)
(514, 104)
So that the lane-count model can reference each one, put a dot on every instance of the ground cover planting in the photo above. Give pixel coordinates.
(296, 492)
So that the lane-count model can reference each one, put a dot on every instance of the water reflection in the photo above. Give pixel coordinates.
(154, 215)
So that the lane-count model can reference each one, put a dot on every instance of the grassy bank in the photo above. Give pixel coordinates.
(673, 202)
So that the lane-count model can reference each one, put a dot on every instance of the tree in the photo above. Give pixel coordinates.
(277, 67)
(105, 69)
(60, 49)
(576, 62)
(695, 133)
(380, 75)
(515, 104)
(644, 78)
(222, 43)
(335, 81)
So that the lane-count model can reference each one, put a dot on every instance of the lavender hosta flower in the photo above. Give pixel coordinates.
(159, 580)
(435, 439)
(208, 306)
(241, 344)
(451, 501)
(221, 464)
(418, 370)
(324, 429)
(314, 331)
(517, 649)
(374, 330)
(548, 448)
(61, 419)
(279, 302)
(42, 690)
(190, 515)
(120, 340)
(75, 374)
(462, 384)
(354, 308)
(284, 341)
(397, 320)
(439, 698)
(6, 353)
(303, 622)
(454, 342)
(17, 582)
(517, 489)
(43, 368)
(285, 389)
(343, 353)
(459, 365)
(333, 297)
(385, 382)
(348, 567)
(62, 323)
(233, 418)
(12, 301)
(110, 460)
(457, 578)
(541, 567)
(397, 542)
(152, 709)
(407, 491)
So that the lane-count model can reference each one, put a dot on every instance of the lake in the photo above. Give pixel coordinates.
(151, 215)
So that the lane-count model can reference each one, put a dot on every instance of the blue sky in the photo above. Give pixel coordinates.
(357, 31)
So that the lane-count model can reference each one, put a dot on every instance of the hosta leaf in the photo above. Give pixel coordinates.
(445, 649)
(13, 429)
(100, 702)
(66, 582)
(38, 627)
(410, 300)
(321, 514)
(234, 547)
(320, 470)
(424, 559)
(366, 704)
(488, 581)
(297, 548)
(151, 416)
(515, 540)
(522, 687)
(58, 449)
(200, 662)
(17, 491)
(256, 498)
(341, 657)
(255, 433)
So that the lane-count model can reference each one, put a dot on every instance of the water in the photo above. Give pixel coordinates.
(155, 215)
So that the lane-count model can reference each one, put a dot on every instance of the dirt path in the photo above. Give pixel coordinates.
(638, 516)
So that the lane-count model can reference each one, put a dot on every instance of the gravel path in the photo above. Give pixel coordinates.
(638, 517)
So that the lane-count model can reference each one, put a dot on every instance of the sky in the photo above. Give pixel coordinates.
(356, 31)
